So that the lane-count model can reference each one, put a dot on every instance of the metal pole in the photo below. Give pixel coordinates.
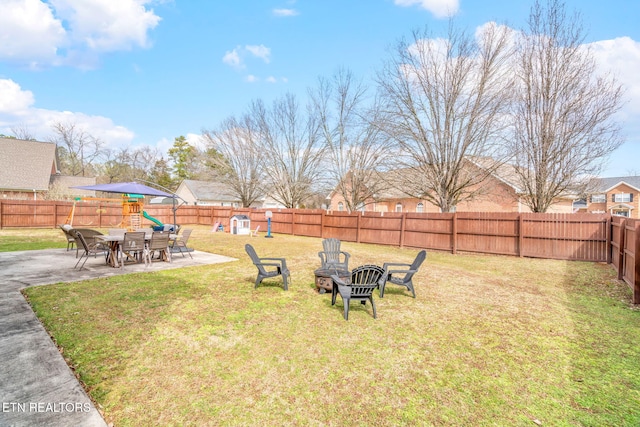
(268, 228)
(175, 196)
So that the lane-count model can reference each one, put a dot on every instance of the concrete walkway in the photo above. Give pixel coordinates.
(37, 388)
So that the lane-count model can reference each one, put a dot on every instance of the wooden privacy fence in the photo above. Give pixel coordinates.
(580, 237)
(625, 252)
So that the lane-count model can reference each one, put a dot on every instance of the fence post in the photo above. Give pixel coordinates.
(357, 227)
(293, 222)
(1, 215)
(621, 248)
(454, 233)
(608, 237)
(322, 224)
(402, 228)
(520, 235)
(636, 262)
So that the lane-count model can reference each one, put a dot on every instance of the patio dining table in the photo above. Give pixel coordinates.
(113, 241)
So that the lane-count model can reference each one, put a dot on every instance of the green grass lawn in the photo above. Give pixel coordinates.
(489, 341)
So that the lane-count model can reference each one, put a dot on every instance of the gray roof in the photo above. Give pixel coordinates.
(209, 191)
(26, 165)
(604, 184)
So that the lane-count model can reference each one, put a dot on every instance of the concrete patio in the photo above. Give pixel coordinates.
(37, 388)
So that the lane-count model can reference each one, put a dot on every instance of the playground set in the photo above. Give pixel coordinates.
(132, 211)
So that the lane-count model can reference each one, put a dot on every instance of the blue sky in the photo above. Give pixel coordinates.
(142, 72)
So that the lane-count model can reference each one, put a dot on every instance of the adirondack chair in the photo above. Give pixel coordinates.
(401, 274)
(268, 267)
(332, 256)
(364, 280)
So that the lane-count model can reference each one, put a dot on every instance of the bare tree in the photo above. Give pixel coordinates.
(563, 119)
(79, 148)
(289, 139)
(22, 131)
(116, 166)
(129, 164)
(444, 104)
(235, 158)
(356, 152)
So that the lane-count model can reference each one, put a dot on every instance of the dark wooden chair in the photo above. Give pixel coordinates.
(364, 280)
(401, 274)
(268, 267)
(332, 256)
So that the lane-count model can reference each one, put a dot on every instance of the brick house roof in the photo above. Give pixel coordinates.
(26, 165)
(606, 184)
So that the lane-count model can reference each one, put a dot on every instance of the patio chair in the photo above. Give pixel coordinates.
(70, 236)
(268, 267)
(117, 231)
(89, 235)
(332, 256)
(364, 280)
(148, 231)
(159, 243)
(401, 274)
(133, 247)
(89, 249)
(181, 242)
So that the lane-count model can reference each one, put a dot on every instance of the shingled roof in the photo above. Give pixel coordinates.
(606, 184)
(26, 165)
(206, 191)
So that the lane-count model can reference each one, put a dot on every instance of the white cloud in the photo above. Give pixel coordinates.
(235, 58)
(251, 78)
(17, 109)
(285, 12)
(440, 8)
(261, 52)
(621, 57)
(271, 79)
(40, 33)
(14, 100)
(107, 25)
(29, 33)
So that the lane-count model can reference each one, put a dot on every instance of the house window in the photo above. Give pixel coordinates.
(398, 207)
(620, 212)
(598, 198)
(420, 207)
(622, 198)
(340, 206)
